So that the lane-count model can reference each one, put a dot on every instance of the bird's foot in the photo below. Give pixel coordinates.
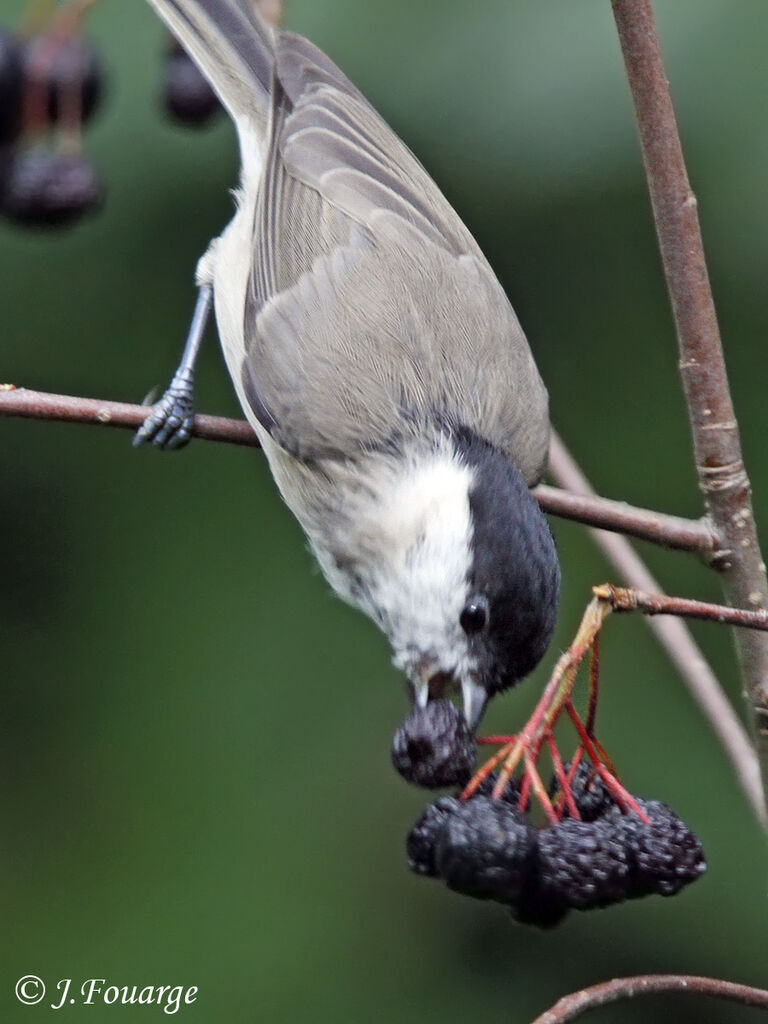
(169, 424)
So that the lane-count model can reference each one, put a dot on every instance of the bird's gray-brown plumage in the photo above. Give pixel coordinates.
(380, 363)
(369, 303)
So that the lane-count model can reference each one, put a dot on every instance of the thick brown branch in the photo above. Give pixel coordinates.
(717, 448)
(669, 531)
(573, 1006)
(675, 637)
(628, 599)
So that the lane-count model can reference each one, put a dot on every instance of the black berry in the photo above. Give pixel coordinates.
(589, 793)
(664, 856)
(41, 188)
(186, 95)
(11, 87)
(434, 747)
(583, 864)
(484, 850)
(423, 837)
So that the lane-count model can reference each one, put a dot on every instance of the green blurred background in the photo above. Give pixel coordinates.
(196, 780)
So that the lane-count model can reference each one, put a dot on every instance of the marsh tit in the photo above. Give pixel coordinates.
(379, 361)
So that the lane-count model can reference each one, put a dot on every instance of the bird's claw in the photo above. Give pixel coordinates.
(169, 424)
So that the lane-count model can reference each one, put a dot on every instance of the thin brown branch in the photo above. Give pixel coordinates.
(669, 531)
(628, 599)
(578, 1003)
(39, 405)
(20, 402)
(722, 476)
(675, 637)
(658, 527)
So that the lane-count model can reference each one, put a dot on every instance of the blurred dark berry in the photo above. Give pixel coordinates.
(664, 856)
(584, 864)
(11, 86)
(434, 747)
(484, 850)
(589, 793)
(186, 95)
(423, 837)
(71, 72)
(42, 188)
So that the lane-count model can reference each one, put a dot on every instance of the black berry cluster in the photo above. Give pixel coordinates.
(187, 98)
(487, 848)
(50, 86)
(434, 747)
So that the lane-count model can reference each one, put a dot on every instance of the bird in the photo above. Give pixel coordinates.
(380, 363)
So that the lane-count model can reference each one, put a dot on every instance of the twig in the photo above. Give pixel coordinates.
(675, 637)
(670, 531)
(722, 477)
(625, 599)
(572, 1006)
(39, 405)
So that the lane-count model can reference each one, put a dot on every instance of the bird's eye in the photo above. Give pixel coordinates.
(474, 616)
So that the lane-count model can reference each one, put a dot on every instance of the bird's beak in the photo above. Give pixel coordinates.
(475, 698)
(420, 692)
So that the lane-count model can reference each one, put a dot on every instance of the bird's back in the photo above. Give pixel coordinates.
(351, 231)
(369, 308)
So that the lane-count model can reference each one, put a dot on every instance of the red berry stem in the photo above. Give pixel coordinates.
(575, 761)
(527, 745)
(612, 784)
(482, 774)
(538, 787)
(525, 793)
(562, 778)
(604, 756)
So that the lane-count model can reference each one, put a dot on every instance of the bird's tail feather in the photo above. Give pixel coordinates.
(232, 46)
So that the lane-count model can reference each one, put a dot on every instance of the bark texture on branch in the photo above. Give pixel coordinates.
(40, 405)
(578, 1003)
(722, 476)
(629, 599)
(656, 527)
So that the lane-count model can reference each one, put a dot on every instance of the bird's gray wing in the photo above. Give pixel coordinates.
(370, 305)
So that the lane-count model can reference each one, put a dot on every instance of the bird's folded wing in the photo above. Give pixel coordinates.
(370, 306)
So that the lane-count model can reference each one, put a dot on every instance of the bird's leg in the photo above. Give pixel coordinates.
(169, 424)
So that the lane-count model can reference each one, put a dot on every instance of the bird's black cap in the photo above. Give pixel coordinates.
(514, 567)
